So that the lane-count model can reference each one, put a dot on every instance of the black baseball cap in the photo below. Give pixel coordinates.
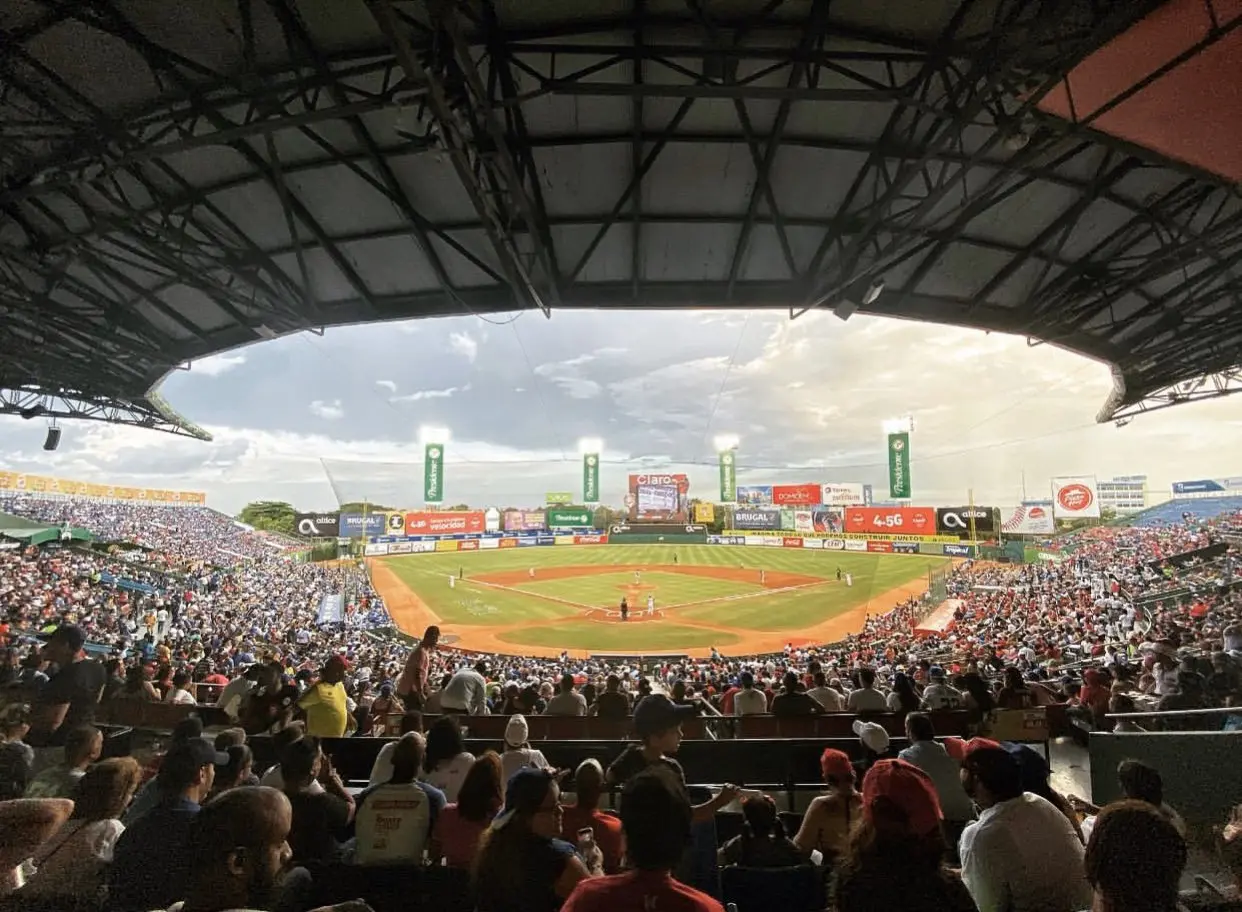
(71, 635)
(657, 713)
(195, 753)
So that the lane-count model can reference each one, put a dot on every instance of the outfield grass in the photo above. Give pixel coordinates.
(470, 604)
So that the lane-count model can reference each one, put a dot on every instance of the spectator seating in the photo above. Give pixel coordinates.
(158, 716)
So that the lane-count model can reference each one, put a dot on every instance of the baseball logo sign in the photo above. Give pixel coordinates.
(1075, 498)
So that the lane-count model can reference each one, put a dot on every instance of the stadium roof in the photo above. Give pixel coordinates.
(177, 179)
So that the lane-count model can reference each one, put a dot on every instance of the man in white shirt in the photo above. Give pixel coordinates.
(748, 701)
(939, 695)
(866, 698)
(1022, 855)
(395, 818)
(945, 773)
(466, 691)
(827, 697)
(567, 702)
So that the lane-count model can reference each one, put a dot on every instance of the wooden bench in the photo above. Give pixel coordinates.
(158, 716)
(841, 725)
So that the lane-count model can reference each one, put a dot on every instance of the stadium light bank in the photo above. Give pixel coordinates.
(726, 442)
(428, 435)
(590, 445)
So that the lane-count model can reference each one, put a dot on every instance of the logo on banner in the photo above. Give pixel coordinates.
(590, 478)
(318, 525)
(960, 520)
(1075, 498)
(728, 477)
(957, 550)
(899, 466)
(433, 473)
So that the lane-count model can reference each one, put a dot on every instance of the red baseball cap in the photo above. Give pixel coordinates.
(908, 788)
(960, 749)
(836, 764)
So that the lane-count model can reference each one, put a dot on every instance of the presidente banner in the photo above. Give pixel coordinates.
(754, 495)
(796, 495)
(659, 497)
(318, 525)
(842, 495)
(756, 518)
(1030, 518)
(905, 520)
(728, 476)
(961, 521)
(570, 517)
(899, 466)
(558, 498)
(704, 513)
(1198, 486)
(1075, 497)
(433, 473)
(523, 520)
(23, 483)
(590, 478)
(446, 523)
(356, 525)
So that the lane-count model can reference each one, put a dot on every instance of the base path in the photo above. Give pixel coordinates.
(412, 615)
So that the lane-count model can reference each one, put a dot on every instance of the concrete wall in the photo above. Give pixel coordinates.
(1202, 771)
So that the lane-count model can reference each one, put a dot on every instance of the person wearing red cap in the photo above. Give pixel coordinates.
(827, 822)
(895, 857)
(326, 703)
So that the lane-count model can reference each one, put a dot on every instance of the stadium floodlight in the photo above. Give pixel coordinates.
(898, 425)
(590, 445)
(726, 442)
(428, 434)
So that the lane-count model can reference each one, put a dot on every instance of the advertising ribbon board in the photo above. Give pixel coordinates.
(318, 525)
(1075, 497)
(899, 466)
(919, 521)
(433, 473)
(559, 498)
(960, 521)
(570, 517)
(445, 523)
(753, 518)
(590, 478)
(704, 513)
(1030, 518)
(728, 476)
(842, 495)
(797, 495)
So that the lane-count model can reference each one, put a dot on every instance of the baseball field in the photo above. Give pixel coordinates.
(680, 598)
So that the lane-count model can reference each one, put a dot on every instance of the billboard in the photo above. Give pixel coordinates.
(827, 519)
(804, 521)
(445, 523)
(756, 518)
(1075, 497)
(658, 503)
(1207, 486)
(570, 517)
(754, 495)
(394, 523)
(797, 495)
(1030, 518)
(906, 520)
(704, 513)
(843, 495)
(523, 520)
(959, 550)
(558, 498)
(358, 525)
(960, 520)
(317, 525)
(23, 483)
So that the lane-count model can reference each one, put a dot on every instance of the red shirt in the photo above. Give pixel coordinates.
(458, 837)
(638, 890)
(607, 833)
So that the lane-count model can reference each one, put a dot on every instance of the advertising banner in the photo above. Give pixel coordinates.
(570, 517)
(899, 466)
(23, 483)
(446, 523)
(828, 519)
(394, 523)
(804, 521)
(834, 544)
(508, 542)
(433, 473)
(523, 520)
(1198, 486)
(318, 525)
(471, 545)
(791, 543)
(756, 518)
(489, 544)
(590, 478)
(656, 533)
(880, 547)
(855, 544)
(375, 550)
(1030, 518)
(797, 495)
(447, 545)
(905, 548)
(564, 539)
(1075, 497)
(403, 547)
(359, 525)
(545, 539)
(814, 543)
(491, 519)
(704, 513)
(754, 495)
(524, 542)
(842, 495)
(590, 539)
(558, 498)
(659, 497)
(904, 520)
(728, 477)
(958, 520)
(959, 550)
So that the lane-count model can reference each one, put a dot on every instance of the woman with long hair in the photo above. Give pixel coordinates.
(903, 699)
(763, 843)
(830, 817)
(16, 756)
(446, 762)
(895, 858)
(522, 865)
(137, 687)
(75, 860)
(459, 825)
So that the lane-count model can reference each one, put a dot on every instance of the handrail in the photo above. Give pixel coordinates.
(1160, 713)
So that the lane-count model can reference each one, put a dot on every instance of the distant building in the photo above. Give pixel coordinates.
(1125, 493)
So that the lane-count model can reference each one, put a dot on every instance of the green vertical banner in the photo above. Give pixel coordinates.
(590, 478)
(899, 466)
(728, 477)
(433, 473)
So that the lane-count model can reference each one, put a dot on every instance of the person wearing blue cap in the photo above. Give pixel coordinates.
(522, 865)
(938, 695)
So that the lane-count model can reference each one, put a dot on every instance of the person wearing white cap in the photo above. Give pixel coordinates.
(518, 753)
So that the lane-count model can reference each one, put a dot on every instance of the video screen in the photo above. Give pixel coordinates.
(656, 499)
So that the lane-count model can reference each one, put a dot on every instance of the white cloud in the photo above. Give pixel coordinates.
(569, 375)
(420, 395)
(464, 344)
(217, 364)
(387, 384)
(329, 411)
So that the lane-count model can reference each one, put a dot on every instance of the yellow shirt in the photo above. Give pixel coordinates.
(327, 715)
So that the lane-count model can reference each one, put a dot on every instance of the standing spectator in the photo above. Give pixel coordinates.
(1135, 860)
(518, 753)
(83, 745)
(567, 702)
(447, 762)
(236, 690)
(412, 685)
(938, 695)
(830, 817)
(792, 700)
(945, 773)
(865, 698)
(394, 819)
(748, 701)
(71, 696)
(585, 812)
(459, 825)
(326, 703)
(466, 691)
(1022, 855)
(16, 756)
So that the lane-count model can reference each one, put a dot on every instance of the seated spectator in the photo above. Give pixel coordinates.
(518, 754)
(830, 817)
(1022, 855)
(1139, 782)
(16, 756)
(459, 826)
(179, 693)
(567, 702)
(749, 701)
(272, 777)
(394, 819)
(522, 864)
(151, 860)
(1229, 846)
(656, 818)
(865, 698)
(945, 773)
(877, 745)
(25, 824)
(612, 703)
(792, 700)
(896, 854)
(1035, 779)
(381, 707)
(74, 860)
(236, 772)
(904, 698)
(188, 729)
(938, 695)
(1134, 860)
(83, 745)
(447, 761)
(326, 704)
(828, 697)
(585, 813)
(762, 843)
(318, 816)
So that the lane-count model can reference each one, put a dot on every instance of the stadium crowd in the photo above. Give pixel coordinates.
(959, 825)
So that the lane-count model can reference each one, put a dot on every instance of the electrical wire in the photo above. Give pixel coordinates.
(711, 415)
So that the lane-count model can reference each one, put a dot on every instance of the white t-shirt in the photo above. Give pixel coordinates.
(567, 704)
(866, 699)
(750, 702)
(392, 825)
(827, 697)
(514, 759)
(449, 775)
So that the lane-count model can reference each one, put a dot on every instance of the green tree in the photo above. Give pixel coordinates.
(363, 506)
(269, 516)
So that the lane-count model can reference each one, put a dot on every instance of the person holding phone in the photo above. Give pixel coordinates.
(584, 816)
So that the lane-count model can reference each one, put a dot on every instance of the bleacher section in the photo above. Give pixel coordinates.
(1171, 512)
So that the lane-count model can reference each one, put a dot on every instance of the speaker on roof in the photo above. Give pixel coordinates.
(53, 439)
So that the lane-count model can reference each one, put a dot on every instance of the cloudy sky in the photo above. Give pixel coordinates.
(318, 420)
